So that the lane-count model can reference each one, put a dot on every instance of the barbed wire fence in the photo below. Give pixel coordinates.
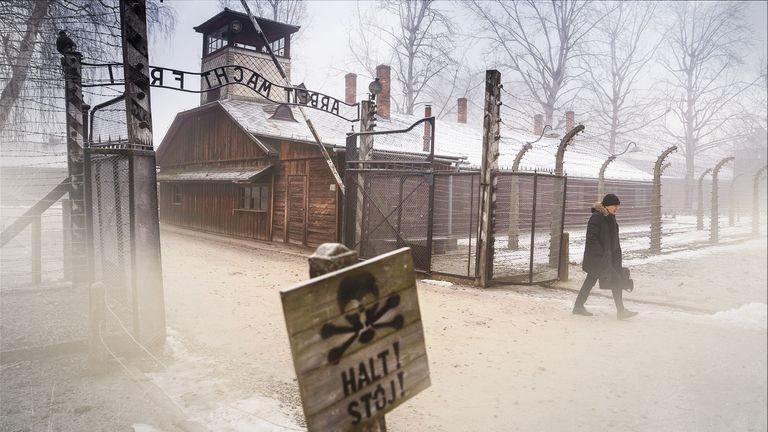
(34, 180)
(629, 176)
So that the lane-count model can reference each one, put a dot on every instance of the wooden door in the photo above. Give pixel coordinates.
(297, 209)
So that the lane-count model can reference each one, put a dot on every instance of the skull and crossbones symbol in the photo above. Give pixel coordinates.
(362, 322)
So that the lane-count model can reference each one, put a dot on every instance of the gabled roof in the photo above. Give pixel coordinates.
(216, 105)
(452, 140)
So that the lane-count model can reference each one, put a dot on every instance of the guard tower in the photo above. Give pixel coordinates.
(229, 38)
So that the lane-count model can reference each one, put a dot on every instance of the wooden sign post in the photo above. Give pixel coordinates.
(357, 342)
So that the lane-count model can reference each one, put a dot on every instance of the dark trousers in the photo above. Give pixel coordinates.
(586, 287)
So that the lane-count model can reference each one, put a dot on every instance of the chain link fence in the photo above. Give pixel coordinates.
(456, 213)
(528, 226)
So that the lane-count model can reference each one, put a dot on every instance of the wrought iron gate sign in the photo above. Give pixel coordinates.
(357, 342)
(239, 75)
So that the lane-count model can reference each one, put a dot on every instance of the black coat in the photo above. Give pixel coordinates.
(602, 252)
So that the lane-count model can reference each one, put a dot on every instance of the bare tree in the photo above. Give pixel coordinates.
(539, 42)
(455, 82)
(285, 11)
(365, 49)
(30, 70)
(619, 55)
(704, 46)
(419, 42)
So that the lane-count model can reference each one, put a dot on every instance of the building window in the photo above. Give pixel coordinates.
(216, 40)
(254, 197)
(175, 194)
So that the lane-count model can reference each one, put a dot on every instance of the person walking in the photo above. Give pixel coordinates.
(602, 257)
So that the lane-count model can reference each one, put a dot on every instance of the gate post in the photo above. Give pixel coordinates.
(714, 219)
(367, 123)
(658, 169)
(146, 280)
(350, 198)
(71, 62)
(700, 204)
(488, 169)
(756, 201)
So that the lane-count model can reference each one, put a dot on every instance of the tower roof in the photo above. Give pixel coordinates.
(273, 30)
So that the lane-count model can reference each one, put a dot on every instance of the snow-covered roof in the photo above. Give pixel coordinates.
(221, 174)
(456, 140)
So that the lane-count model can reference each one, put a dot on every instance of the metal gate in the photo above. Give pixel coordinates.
(389, 197)
(392, 201)
(124, 240)
(456, 214)
(396, 212)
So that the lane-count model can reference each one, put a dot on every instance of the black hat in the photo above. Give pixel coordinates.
(610, 199)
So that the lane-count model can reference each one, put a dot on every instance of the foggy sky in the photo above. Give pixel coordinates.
(319, 57)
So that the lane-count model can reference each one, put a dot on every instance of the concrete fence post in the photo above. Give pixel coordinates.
(714, 219)
(732, 201)
(658, 170)
(700, 203)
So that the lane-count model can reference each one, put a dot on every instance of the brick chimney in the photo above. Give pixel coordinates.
(383, 99)
(538, 124)
(462, 110)
(570, 120)
(350, 88)
(427, 129)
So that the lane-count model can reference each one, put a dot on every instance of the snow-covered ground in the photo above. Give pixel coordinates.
(500, 359)
(505, 358)
(679, 238)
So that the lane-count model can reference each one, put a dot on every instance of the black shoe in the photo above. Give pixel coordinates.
(582, 311)
(625, 314)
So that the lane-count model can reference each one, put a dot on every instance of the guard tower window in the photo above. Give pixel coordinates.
(216, 40)
(278, 47)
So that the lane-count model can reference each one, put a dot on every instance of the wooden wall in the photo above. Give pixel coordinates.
(302, 167)
(212, 207)
(208, 136)
(307, 212)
